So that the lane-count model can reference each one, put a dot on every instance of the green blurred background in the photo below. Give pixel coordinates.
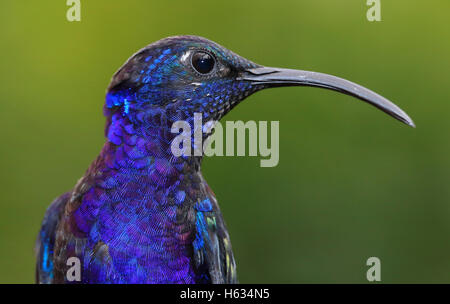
(351, 182)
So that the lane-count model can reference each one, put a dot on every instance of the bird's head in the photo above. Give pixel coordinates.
(180, 76)
(176, 77)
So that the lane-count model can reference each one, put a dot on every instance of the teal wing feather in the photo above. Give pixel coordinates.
(213, 254)
(45, 242)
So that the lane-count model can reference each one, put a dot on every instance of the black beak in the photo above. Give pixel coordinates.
(274, 77)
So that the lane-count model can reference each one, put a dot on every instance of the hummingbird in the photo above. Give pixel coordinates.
(140, 214)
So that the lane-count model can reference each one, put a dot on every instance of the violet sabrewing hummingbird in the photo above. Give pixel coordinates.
(140, 214)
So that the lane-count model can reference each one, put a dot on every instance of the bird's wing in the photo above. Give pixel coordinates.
(46, 240)
(213, 255)
(60, 239)
(71, 240)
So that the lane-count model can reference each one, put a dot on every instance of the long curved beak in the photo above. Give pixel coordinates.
(274, 77)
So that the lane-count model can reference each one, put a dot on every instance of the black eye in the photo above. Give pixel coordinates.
(203, 62)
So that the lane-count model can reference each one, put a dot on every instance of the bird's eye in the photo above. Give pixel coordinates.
(203, 62)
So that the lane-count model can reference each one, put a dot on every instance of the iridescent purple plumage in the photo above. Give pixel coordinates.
(140, 214)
